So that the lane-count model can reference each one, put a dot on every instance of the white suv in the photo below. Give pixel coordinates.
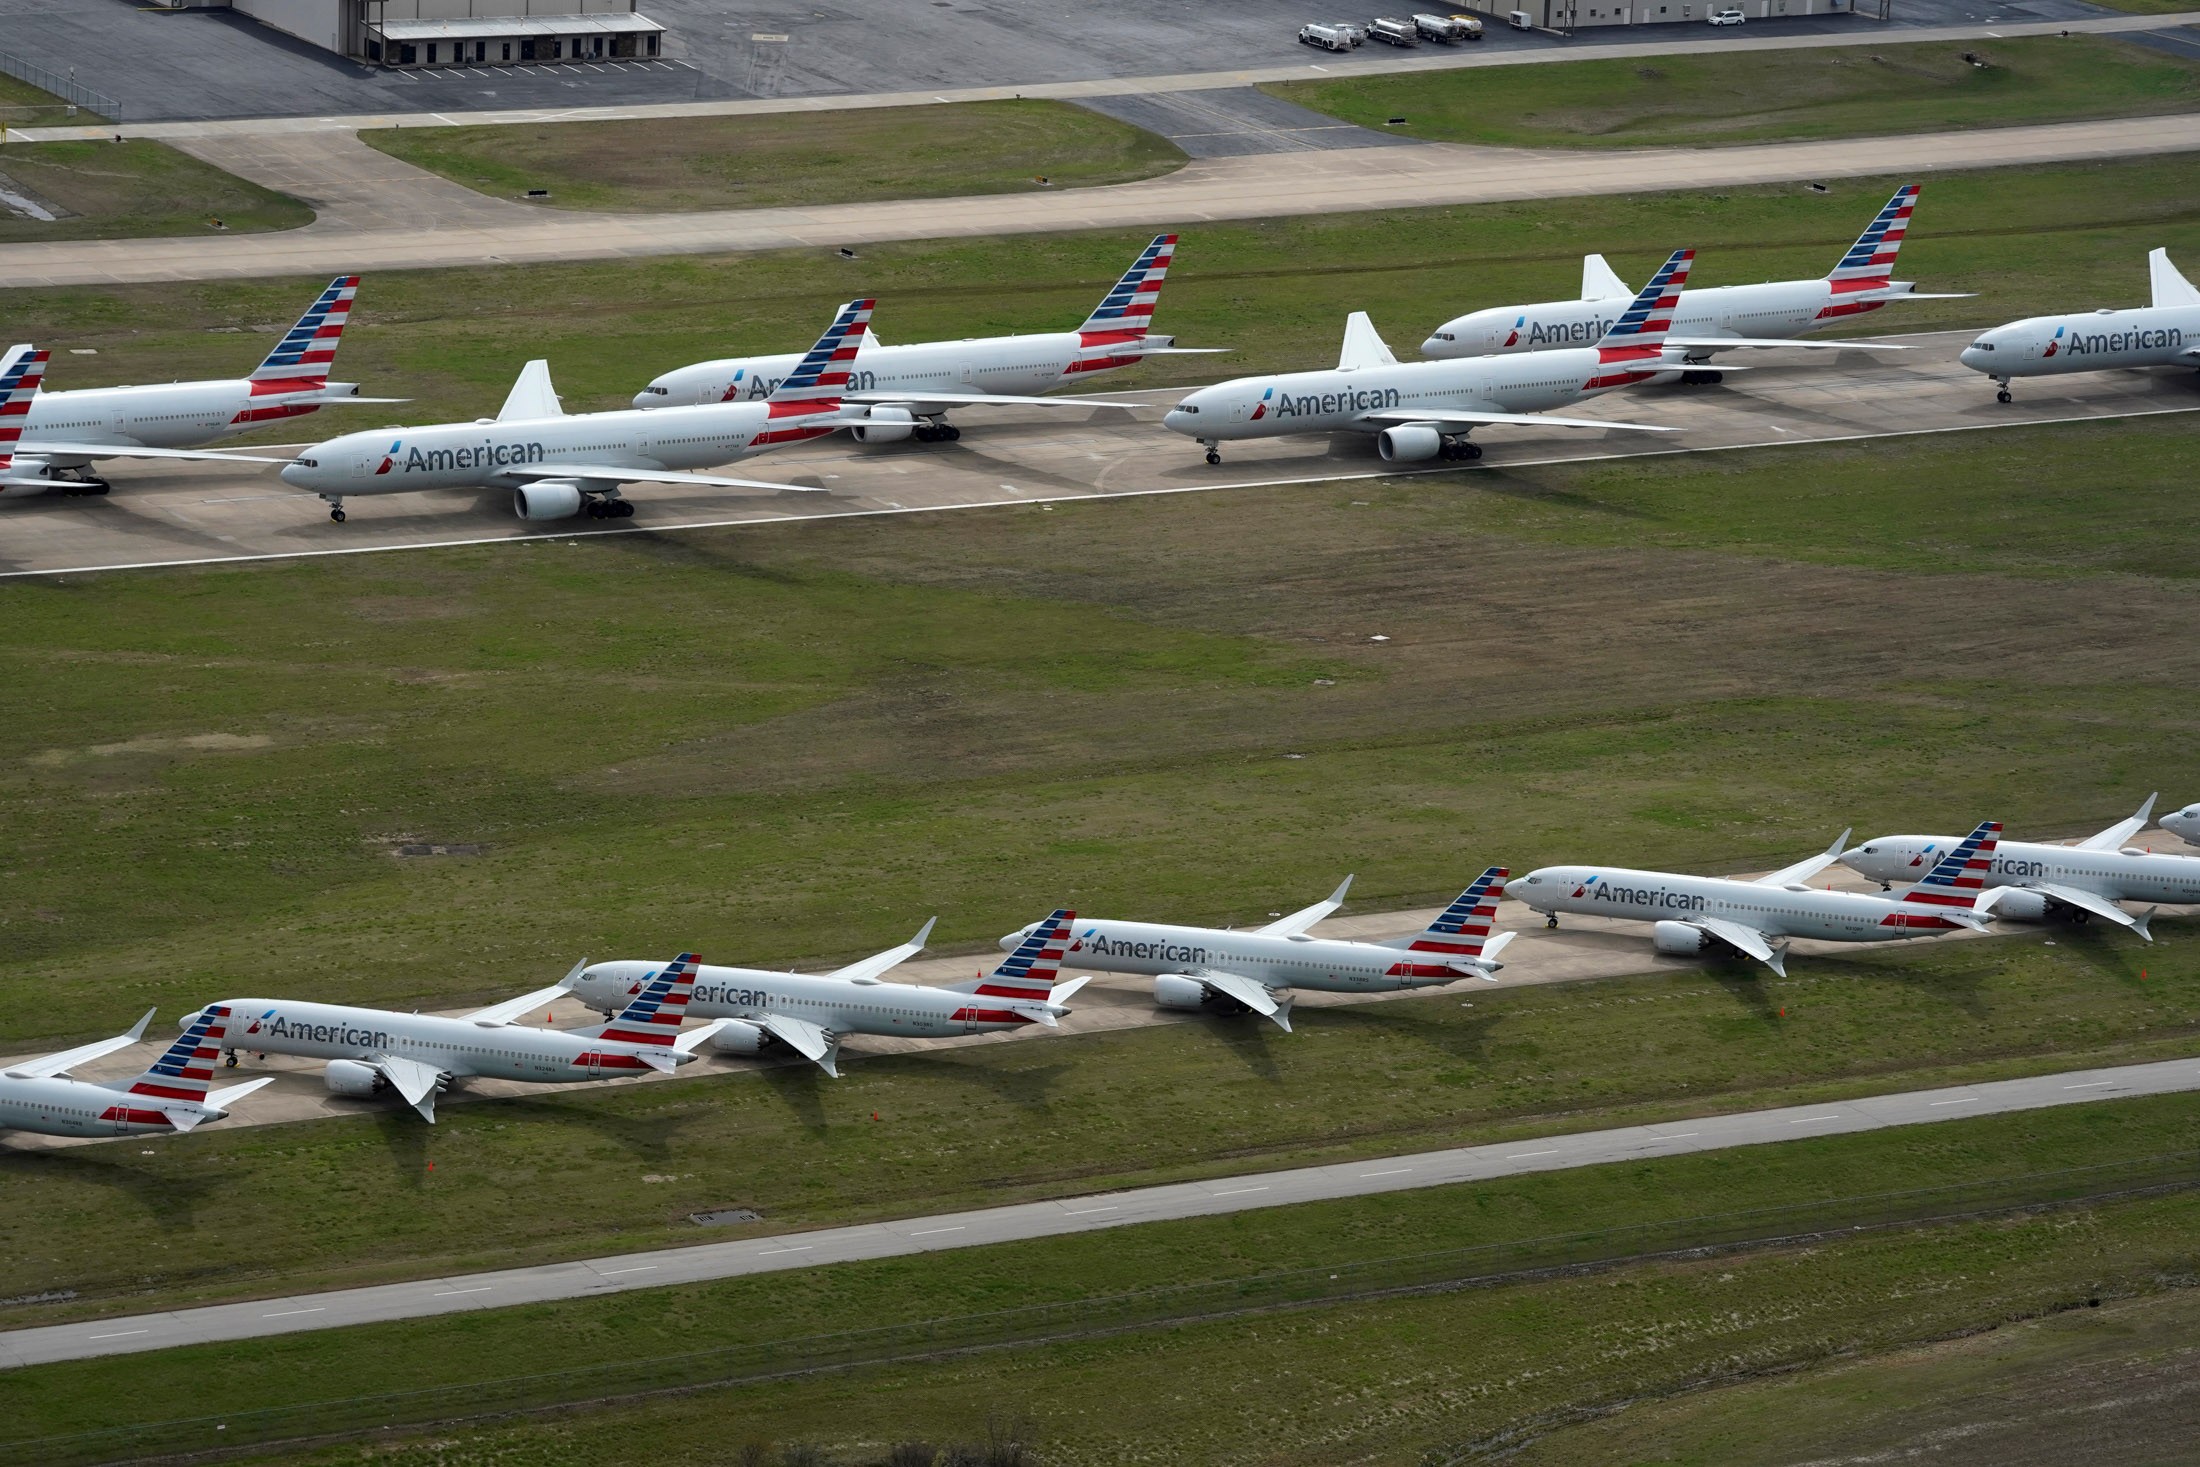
(1726, 15)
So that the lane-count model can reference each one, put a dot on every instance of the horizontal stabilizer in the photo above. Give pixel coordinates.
(1063, 990)
(1443, 416)
(1363, 345)
(622, 474)
(531, 396)
(691, 1040)
(2170, 287)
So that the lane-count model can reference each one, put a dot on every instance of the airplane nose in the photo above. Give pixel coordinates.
(1175, 420)
(1971, 356)
(295, 475)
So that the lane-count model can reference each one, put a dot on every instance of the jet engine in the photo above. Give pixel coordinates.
(1409, 443)
(349, 1077)
(884, 425)
(1680, 939)
(2022, 906)
(1175, 991)
(548, 499)
(739, 1037)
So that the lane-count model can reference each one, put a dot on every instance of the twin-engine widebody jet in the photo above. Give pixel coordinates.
(2029, 883)
(1255, 972)
(2163, 334)
(373, 1050)
(907, 391)
(1696, 914)
(811, 1014)
(1425, 410)
(1704, 321)
(557, 464)
(37, 1095)
(64, 433)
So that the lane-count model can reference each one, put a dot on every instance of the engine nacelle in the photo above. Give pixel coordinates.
(2022, 906)
(884, 425)
(1409, 444)
(739, 1037)
(1680, 939)
(1175, 991)
(548, 499)
(349, 1077)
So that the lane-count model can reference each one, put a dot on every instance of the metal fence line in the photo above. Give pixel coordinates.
(67, 88)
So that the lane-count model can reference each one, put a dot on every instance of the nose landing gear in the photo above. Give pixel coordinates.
(1214, 450)
(2003, 394)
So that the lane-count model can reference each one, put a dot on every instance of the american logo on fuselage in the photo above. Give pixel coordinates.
(1642, 896)
(1158, 952)
(417, 460)
(275, 1026)
(1566, 333)
(1328, 404)
(2102, 343)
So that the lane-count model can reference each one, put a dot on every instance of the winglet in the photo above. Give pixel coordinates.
(2123, 830)
(531, 396)
(1805, 870)
(2170, 287)
(1599, 281)
(137, 1030)
(1363, 345)
(924, 933)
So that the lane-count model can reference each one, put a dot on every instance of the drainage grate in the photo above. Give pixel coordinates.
(725, 1217)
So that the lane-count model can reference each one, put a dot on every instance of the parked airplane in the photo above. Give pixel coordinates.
(417, 1055)
(1254, 972)
(2184, 824)
(2163, 334)
(811, 1014)
(64, 433)
(1710, 320)
(1424, 410)
(2028, 882)
(558, 464)
(1695, 914)
(907, 391)
(172, 1095)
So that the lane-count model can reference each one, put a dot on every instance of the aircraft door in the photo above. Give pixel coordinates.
(967, 374)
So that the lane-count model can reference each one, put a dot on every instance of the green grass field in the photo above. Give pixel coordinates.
(1369, 1376)
(23, 105)
(1747, 97)
(1275, 291)
(793, 158)
(134, 190)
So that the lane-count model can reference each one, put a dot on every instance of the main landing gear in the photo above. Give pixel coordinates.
(85, 482)
(1701, 377)
(937, 433)
(609, 509)
(1460, 449)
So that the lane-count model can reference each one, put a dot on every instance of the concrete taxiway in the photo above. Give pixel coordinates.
(162, 515)
(426, 1298)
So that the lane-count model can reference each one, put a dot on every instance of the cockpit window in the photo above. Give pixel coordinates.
(661, 391)
(1445, 336)
(1185, 407)
(1982, 346)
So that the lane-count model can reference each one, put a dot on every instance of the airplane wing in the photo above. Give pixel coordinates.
(1254, 996)
(1699, 343)
(1805, 870)
(810, 1040)
(1744, 940)
(504, 1013)
(878, 963)
(44, 448)
(330, 399)
(411, 1079)
(223, 1099)
(1306, 917)
(915, 400)
(617, 474)
(2113, 838)
(2071, 896)
(1471, 418)
(83, 1054)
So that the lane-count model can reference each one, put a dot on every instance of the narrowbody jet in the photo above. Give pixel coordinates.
(171, 1095)
(2164, 333)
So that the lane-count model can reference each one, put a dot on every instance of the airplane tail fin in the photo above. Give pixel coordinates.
(653, 1016)
(2170, 287)
(1363, 345)
(822, 374)
(21, 370)
(1463, 928)
(1128, 306)
(533, 395)
(184, 1072)
(1952, 887)
(308, 350)
(1028, 974)
(1599, 281)
(1649, 316)
(1872, 256)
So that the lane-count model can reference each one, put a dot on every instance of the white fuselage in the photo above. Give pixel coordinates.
(2184, 824)
(1777, 308)
(458, 1047)
(1332, 966)
(2097, 341)
(176, 415)
(841, 1005)
(1338, 400)
(1665, 896)
(475, 455)
(58, 1106)
(2133, 877)
(1019, 366)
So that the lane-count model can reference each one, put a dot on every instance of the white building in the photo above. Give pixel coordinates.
(1577, 15)
(418, 33)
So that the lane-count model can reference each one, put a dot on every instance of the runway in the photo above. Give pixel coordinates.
(199, 514)
(1251, 187)
(426, 1298)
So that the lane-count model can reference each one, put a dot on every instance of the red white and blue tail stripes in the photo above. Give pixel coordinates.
(1464, 927)
(309, 348)
(20, 373)
(654, 1014)
(1649, 316)
(1955, 881)
(1871, 258)
(184, 1072)
(823, 371)
(1129, 303)
(1027, 975)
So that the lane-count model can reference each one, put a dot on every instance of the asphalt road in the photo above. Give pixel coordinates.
(184, 514)
(425, 1298)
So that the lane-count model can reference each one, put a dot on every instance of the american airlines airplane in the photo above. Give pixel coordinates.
(1425, 410)
(812, 1014)
(2184, 824)
(64, 433)
(907, 391)
(556, 464)
(1705, 321)
(1254, 972)
(2028, 882)
(417, 1055)
(36, 1095)
(2163, 334)
(1697, 914)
